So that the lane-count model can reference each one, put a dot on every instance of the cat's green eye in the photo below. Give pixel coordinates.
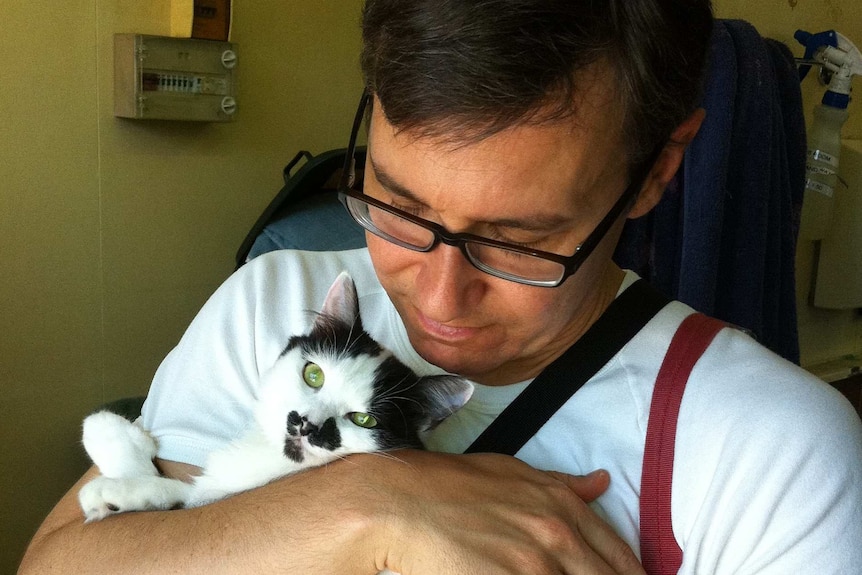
(313, 375)
(363, 419)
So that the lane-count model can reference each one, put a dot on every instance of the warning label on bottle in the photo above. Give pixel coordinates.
(819, 170)
(821, 156)
(819, 187)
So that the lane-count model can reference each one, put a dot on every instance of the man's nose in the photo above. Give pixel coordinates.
(448, 284)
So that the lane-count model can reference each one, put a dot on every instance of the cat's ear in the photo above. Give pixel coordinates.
(445, 395)
(341, 302)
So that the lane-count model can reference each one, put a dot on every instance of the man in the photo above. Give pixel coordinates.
(525, 124)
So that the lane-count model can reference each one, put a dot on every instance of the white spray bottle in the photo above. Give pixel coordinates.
(838, 56)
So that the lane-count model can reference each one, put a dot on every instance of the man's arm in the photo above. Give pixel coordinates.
(243, 534)
(418, 513)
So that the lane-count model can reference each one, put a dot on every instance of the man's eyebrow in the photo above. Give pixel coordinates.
(532, 223)
(388, 182)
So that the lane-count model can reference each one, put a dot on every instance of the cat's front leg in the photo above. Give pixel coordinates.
(118, 447)
(104, 496)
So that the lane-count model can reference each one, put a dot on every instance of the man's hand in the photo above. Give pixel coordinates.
(413, 512)
(441, 514)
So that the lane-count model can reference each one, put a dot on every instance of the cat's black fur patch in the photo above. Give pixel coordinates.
(326, 436)
(331, 335)
(397, 405)
(293, 451)
(294, 420)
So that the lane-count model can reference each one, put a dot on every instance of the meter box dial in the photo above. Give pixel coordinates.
(164, 78)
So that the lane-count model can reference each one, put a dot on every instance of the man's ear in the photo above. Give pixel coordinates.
(667, 164)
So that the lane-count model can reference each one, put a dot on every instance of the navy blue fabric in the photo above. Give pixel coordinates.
(317, 223)
(723, 238)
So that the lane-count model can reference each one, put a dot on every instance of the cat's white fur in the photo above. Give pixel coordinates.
(124, 452)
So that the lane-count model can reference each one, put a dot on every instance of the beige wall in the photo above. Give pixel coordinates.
(113, 232)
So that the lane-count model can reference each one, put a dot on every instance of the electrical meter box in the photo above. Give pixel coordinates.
(164, 78)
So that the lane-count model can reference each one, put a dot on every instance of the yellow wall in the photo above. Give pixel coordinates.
(779, 19)
(113, 232)
(823, 334)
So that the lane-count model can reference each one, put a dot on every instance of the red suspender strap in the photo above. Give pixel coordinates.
(660, 553)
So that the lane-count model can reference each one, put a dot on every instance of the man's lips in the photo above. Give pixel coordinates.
(442, 332)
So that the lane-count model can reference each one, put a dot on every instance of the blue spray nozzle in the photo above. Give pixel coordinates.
(812, 43)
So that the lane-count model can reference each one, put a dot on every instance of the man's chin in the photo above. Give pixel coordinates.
(441, 355)
(454, 359)
(466, 352)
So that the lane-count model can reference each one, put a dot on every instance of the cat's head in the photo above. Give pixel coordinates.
(335, 391)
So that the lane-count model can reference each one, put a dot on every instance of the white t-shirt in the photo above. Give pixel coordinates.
(768, 465)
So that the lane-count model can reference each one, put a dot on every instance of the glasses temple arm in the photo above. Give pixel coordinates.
(349, 170)
(624, 201)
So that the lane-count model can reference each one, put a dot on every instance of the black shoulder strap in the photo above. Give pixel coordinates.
(523, 418)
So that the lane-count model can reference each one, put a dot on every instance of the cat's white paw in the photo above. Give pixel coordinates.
(97, 499)
(104, 496)
(118, 447)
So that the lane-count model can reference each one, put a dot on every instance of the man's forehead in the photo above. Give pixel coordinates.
(592, 104)
(577, 153)
(539, 218)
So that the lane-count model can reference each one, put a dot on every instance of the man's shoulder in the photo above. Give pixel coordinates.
(756, 435)
(746, 407)
(310, 265)
(297, 274)
(737, 380)
(279, 285)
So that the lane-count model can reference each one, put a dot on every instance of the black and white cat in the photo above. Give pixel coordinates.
(332, 392)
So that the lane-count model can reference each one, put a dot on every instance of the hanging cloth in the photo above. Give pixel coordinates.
(723, 238)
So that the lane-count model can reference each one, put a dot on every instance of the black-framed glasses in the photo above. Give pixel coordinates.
(500, 259)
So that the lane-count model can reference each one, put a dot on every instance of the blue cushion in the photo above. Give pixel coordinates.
(317, 223)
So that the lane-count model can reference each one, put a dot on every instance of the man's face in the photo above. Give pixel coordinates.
(546, 186)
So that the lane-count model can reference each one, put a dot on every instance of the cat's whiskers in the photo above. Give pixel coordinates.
(395, 399)
(350, 348)
(341, 457)
(390, 456)
(400, 387)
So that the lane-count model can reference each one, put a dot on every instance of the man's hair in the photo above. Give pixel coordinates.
(467, 69)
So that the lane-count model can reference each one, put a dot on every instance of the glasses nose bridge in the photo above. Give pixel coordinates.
(444, 236)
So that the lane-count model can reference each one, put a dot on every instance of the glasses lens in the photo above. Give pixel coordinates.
(515, 266)
(390, 226)
(500, 262)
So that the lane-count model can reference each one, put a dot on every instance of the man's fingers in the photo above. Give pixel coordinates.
(603, 540)
(588, 487)
(612, 554)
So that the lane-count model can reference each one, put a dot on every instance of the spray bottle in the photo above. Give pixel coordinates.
(837, 57)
